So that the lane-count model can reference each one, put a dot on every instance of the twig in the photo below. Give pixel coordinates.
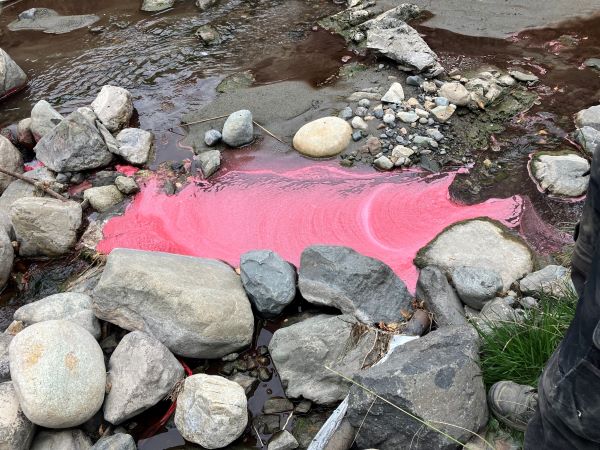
(204, 120)
(36, 183)
(288, 420)
(268, 132)
(262, 444)
(363, 421)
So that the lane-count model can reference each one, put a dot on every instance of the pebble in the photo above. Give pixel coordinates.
(357, 136)
(407, 117)
(359, 124)
(383, 163)
(365, 103)
(435, 134)
(212, 137)
(389, 119)
(523, 76)
(414, 80)
(443, 113)
(126, 185)
(361, 111)
(441, 101)
(346, 113)
(378, 113)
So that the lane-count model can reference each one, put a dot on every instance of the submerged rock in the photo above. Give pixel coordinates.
(269, 281)
(16, 430)
(12, 77)
(479, 243)
(342, 278)
(58, 372)
(565, 175)
(323, 137)
(436, 378)
(156, 5)
(301, 351)
(10, 159)
(43, 119)
(238, 129)
(45, 226)
(113, 106)
(139, 290)
(75, 144)
(49, 21)
(71, 306)
(439, 297)
(211, 411)
(61, 440)
(141, 372)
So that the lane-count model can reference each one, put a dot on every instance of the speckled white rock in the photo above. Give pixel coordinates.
(16, 430)
(565, 175)
(324, 137)
(113, 106)
(134, 145)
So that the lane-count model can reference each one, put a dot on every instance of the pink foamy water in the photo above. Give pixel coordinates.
(389, 216)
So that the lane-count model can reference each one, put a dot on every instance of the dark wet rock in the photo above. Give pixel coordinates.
(238, 129)
(211, 411)
(12, 77)
(589, 117)
(63, 440)
(389, 35)
(43, 119)
(209, 161)
(550, 280)
(134, 145)
(264, 374)
(10, 159)
(5, 339)
(276, 405)
(589, 138)
(269, 281)
(119, 441)
(141, 372)
(103, 198)
(139, 290)
(468, 243)
(104, 178)
(594, 63)
(75, 144)
(156, 5)
(283, 440)
(561, 174)
(49, 21)
(16, 430)
(126, 185)
(212, 137)
(476, 285)
(113, 106)
(246, 381)
(342, 278)
(435, 377)
(45, 226)
(56, 360)
(301, 351)
(71, 306)
(20, 189)
(439, 297)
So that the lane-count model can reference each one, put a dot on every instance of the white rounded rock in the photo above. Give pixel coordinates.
(211, 411)
(58, 372)
(324, 137)
(456, 93)
(561, 174)
(113, 106)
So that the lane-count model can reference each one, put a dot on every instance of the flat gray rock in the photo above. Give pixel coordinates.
(126, 185)
(71, 306)
(301, 351)
(551, 280)
(134, 145)
(476, 285)
(45, 226)
(561, 174)
(43, 119)
(119, 441)
(436, 378)
(10, 159)
(269, 281)
(56, 360)
(341, 278)
(16, 430)
(12, 77)
(210, 162)
(141, 372)
(139, 290)
(61, 440)
(439, 297)
(479, 243)
(49, 21)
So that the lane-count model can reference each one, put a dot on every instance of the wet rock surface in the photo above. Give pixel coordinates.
(12, 77)
(49, 21)
(566, 174)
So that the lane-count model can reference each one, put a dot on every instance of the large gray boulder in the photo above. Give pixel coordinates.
(45, 226)
(12, 77)
(589, 117)
(43, 119)
(75, 144)
(269, 281)
(139, 290)
(342, 278)
(238, 129)
(61, 440)
(439, 297)
(16, 430)
(134, 145)
(4, 362)
(71, 306)
(119, 441)
(19, 188)
(552, 280)
(482, 243)
(476, 285)
(10, 159)
(561, 174)
(58, 372)
(301, 351)
(389, 35)
(211, 411)
(437, 379)
(114, 107)
(141, 372)
(7, 256)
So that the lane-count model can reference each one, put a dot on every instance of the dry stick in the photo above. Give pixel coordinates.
(36, 183)
(268, 132)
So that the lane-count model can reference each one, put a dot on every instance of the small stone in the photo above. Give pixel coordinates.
(407, 116)
(324, 137)
(561, 174)
(443, 113)
(208, 35)
(435, 134)
(402, 151)
(414, 80)
(552, 279)
(523, 76)
(276, 405)
(364, 103)
(346, 113)
(212, 137)
(383, 163)
(441, 101)
(456, 93)
(395, 94)
(283, 440)
(378, 113)
(429, 87)
(210, 162)
(104, 197)
(238, 129)
(594, 63)
(389, 119)
(24, 135)
(528, 302)
(126, 185)
(118, 441)
(264, 374)
(248, 383)
(134, 145)
(359, 124)
(361, 112)
(157, 5)
(476, 285)
(357, 136)
(303, 407)
(113, 106)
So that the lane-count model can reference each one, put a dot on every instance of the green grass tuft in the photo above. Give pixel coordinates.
(519, 351)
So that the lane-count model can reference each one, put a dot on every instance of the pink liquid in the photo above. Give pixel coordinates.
(388, 216)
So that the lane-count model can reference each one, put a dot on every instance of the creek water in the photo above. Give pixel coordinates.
(265, 199)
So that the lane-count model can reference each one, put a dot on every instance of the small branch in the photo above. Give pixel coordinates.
(204, 120)
(38, 184)
(268, 132)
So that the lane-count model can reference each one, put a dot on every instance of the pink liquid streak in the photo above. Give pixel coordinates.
(388, 216)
